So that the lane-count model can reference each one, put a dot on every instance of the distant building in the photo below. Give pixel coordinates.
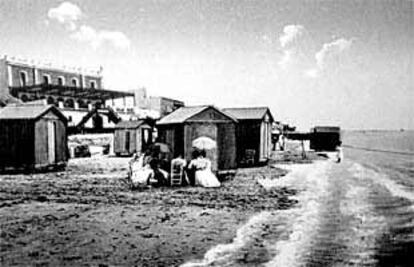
(325, 138)
(76, 92)
(155, 105)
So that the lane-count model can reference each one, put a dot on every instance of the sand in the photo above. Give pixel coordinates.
(87, 215)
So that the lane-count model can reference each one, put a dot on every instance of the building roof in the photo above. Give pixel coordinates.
(326, 129)
(130, 124)
(249, 113)
(20, 112)
(70, 91)
(184, 113)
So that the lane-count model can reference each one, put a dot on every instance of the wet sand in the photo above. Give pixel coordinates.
(87, 215)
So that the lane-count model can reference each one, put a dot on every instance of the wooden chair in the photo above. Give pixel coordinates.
(177, 173)
(249, 156)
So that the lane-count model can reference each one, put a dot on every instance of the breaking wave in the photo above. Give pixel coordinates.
(285, 233)
(346, 214)
(223, 254)
(394, 188)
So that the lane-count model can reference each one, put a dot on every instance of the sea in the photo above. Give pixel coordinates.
(359, 212)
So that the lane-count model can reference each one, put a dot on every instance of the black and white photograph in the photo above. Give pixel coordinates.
(201, 133)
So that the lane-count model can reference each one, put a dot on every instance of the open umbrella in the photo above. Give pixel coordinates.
(204, 143)
(160, 147)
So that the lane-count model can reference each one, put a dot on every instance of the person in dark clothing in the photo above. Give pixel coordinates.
(191, 171)
(160, 176)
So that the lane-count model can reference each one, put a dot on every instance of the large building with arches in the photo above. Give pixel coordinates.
(77, 92)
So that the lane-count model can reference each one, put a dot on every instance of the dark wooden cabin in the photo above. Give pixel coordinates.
(325, 138)
(32, 138)
(132, 137)
(180, 128)
(254, 134)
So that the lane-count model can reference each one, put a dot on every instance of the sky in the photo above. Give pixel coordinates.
(346, 63)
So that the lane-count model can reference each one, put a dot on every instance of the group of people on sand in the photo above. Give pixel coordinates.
(152, 169)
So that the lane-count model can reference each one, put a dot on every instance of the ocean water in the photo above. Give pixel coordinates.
(356, 213)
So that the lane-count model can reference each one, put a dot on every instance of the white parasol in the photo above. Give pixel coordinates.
(204, 143)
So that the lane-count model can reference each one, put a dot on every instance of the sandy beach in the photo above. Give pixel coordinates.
(87, 215)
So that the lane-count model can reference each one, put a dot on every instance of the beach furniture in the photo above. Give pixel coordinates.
(177, 173)
(249, 156)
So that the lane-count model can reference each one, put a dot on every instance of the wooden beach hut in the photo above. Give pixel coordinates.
(181, 127)
(325, 138)
(132, 137)
(254, 134)
(32, 138)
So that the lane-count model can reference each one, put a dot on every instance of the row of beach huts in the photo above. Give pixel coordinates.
(34, 137)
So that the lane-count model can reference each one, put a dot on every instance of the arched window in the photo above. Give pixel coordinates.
(60, 100)
(51, 100)
(75, 82)
(89, 103)
(92, 84)
(23, 78)
(46, 79)
(61, 80)
(82, 104)
(69, 103)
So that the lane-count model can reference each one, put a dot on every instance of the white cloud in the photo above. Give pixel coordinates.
(70, 14)
(116, 38)
(96, 38)
(66, 13)
(288, 40)
(290, 34)
(328, 52)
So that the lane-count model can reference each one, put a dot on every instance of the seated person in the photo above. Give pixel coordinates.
(203, 174)
(191, 169)
(159, 177)
(139, 170)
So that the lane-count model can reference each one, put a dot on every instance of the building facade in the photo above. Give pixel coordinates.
(76, 92)
(156, 106)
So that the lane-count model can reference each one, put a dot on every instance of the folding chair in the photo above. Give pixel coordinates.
(177, 172)
(249, 155)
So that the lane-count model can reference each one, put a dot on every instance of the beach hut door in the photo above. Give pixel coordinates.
(51, 141)
(127, 140)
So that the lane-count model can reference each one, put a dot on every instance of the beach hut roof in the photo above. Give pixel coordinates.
(249, 113)
(20, 112)
(131, 124)
(184, 113)
(326, 129)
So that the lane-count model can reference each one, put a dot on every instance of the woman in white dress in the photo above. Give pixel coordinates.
(140, 171)
(203, 174)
